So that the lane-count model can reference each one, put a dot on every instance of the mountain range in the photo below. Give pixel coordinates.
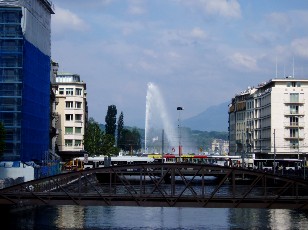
(214, 118)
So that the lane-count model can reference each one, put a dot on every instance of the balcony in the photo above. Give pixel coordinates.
(294, 125)
(289, 113)
(296, 137)
(298, 102)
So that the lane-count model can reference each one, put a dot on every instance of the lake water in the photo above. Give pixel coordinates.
(97, 217)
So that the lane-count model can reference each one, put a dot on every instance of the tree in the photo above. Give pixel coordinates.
(130, 140)
(2, 139)
(107, 145)
(137, 139)
(93, 138)
(120, 128)
(111, 120)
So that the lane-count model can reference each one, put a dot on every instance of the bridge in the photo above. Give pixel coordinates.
(162, 185)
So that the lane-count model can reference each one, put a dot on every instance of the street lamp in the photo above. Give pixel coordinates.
(179, 129)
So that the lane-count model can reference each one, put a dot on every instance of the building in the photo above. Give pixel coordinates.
(268, 121)
(72, 112)
(25, 52)
(220, 146)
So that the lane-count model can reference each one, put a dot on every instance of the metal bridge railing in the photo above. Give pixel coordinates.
(172, 185)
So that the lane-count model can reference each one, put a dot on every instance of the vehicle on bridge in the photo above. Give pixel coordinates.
(101, 161)
(222, 160)
(280, 164)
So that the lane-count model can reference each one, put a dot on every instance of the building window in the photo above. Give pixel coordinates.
(68, 117)
(77, 142)
(294, 133)
(69, 104)
(68, 142)
(77, 129)
(78, 117)
(78, 91)
(294, 97)
(294, 144)
(293, 109)
(78, 105)
(68, 130)
(69, 91)
(294, 121)
(61, 91)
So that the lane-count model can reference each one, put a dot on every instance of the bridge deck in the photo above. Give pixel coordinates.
(163, 185)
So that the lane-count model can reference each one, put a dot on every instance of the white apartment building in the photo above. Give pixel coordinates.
(72, 112)
(220, 146)
(270, 120)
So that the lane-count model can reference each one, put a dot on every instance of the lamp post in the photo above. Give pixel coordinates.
(179, 129)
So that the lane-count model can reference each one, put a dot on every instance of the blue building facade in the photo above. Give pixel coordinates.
(25, 50)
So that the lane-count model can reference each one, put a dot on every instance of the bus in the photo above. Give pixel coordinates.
(102, 161)
(280, 164)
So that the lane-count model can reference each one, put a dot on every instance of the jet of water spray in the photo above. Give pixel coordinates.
(155, 105)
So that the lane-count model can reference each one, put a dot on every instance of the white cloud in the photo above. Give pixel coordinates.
(198, 33)
(281, 20)
(244, 62)
(183, 37)
(136, 10)
(129, 28)
(300, 47)
(106, 2)
(136, 7)
(65, 20)
(223, 8)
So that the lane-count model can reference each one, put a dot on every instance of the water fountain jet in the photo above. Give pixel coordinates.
(155, 105)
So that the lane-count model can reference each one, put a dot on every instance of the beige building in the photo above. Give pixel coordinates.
(220, 146)
(72, 114)
(270, 120)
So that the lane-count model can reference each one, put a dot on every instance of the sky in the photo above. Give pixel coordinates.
(199, 53)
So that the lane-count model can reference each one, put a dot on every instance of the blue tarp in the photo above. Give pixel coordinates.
(35, 104)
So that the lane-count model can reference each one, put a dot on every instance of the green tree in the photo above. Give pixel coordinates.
(93, 138)
(137, 139)
(107, 146)
(111, 119)
(130, 140)
(120, 128)
(2, 139)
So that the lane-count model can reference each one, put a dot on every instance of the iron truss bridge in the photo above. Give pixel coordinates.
(162, 185)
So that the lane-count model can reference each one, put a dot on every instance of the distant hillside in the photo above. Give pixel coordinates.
(215, 118)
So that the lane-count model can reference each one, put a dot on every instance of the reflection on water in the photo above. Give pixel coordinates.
(96, 217)
(268, 219)
(70, 217)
